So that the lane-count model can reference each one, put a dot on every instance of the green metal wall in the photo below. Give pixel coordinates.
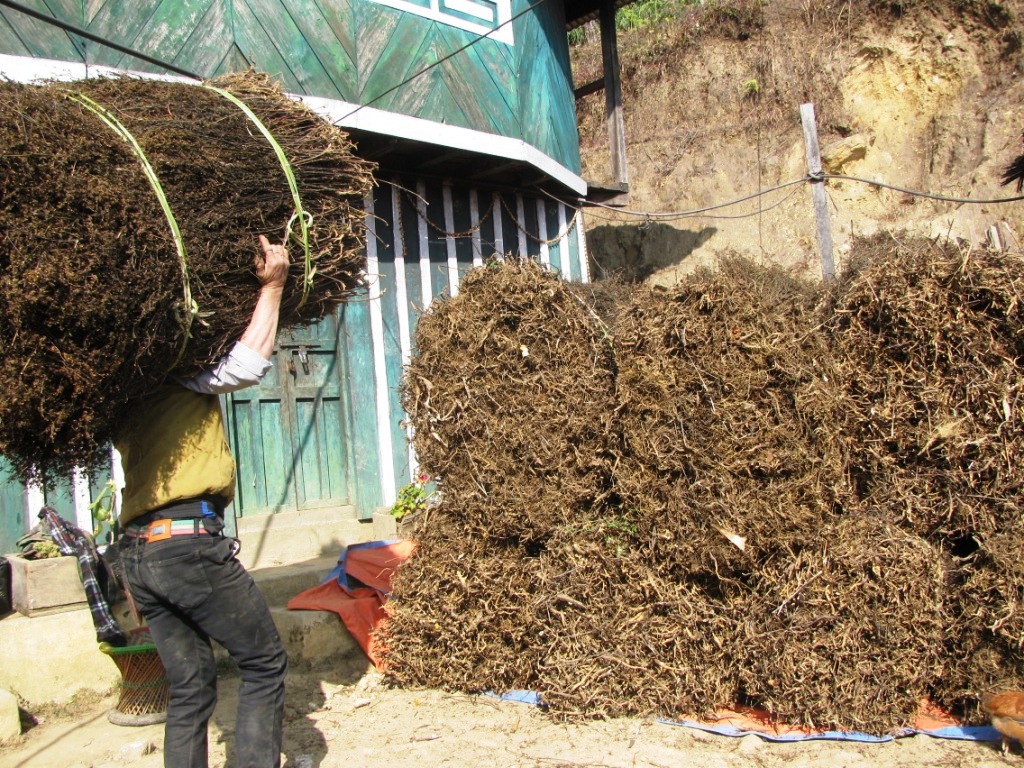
(357, 51)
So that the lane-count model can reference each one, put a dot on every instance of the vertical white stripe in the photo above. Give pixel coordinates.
(35, 500)
(402, 299)
(581, 238)
(80, 499)
(499, 237)
(521, 229)
(474, 222)
(449, 242)
(380, 374)
(117, 475)
(542, 233)
(401, 292)
(426, 292)
(563, 244)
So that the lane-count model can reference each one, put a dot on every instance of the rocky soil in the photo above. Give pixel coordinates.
(923, 96)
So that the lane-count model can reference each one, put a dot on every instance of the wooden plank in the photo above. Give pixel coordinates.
(526, 216)
(357, 343)
(309, 480)
(613, 93)
(13, 509)
(334, 450)
(392, 314)
(264, 30)
(543, 248)
(330, 45)
(205, 40)
(432, 215)
(556, 236)
(447, 232)
(158, 28)
(583, 257)
(36, 37)
(10, 42)
(405, 308)
(279, 462)
(547, 103)
(476, 243)
(408, 52)
(385, 447)
(498, 226)
(250, 490)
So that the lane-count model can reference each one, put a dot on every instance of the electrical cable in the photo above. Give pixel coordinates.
(922, 194)
(97, 39)
(440, 61)
(809, 178)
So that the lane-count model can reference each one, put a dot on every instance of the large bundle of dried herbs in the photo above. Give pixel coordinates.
(813, 502)
(929, 349)
(523, 445)
(511, 398)
(719, 458)
(129, 216)
(849, 631)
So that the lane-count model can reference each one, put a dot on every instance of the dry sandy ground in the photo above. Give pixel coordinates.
(364, 724)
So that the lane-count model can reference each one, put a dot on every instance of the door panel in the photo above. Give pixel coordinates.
(288, 432)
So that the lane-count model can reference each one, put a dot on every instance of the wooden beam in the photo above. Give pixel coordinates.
(589, 88)
(613, 93)
(817, 176)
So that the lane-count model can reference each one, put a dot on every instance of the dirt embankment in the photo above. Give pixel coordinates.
(922, 96)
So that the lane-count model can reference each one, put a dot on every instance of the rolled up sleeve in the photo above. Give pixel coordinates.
(241, 367)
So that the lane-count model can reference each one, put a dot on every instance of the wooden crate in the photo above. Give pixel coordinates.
(45, 586)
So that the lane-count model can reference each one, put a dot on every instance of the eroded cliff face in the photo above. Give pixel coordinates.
(931, 101)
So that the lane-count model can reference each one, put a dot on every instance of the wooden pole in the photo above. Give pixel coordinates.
(613, 93)
(814, 170)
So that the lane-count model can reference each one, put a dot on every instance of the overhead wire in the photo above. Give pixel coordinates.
(440, 61)
(86, 34)
(671, 215)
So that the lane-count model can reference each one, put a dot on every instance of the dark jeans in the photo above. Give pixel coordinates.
(192, 589)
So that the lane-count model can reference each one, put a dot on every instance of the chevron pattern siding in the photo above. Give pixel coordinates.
(357, 51)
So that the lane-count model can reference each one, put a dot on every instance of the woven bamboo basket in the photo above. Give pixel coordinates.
(144, 690)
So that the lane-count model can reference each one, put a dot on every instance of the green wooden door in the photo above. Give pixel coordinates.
(13, 513)
(288, 433)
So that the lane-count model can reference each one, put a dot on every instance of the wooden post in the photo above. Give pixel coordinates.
(613, 93)
(814, 170)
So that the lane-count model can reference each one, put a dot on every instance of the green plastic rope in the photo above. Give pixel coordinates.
(304, 218)
(191, 308)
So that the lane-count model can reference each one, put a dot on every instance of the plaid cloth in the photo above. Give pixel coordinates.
(72, 541)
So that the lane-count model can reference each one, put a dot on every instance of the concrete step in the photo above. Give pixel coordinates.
(298, 536)
(280, 583)
(51, 658)
(313, 639)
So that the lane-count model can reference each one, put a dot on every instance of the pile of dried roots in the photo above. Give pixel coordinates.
(101, 295)
(777, 494)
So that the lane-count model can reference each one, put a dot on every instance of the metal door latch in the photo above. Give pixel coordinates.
(300, 350)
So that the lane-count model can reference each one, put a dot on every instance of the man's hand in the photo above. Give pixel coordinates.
(272, 271)
(272, 264)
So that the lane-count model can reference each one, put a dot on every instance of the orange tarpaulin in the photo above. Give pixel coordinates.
(358, 588)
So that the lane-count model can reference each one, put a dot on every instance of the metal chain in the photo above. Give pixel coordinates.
(440, 230)
(549, 241)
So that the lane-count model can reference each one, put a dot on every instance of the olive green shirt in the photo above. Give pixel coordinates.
(174, 448)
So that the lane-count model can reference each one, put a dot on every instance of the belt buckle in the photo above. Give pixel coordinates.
(159, 530)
